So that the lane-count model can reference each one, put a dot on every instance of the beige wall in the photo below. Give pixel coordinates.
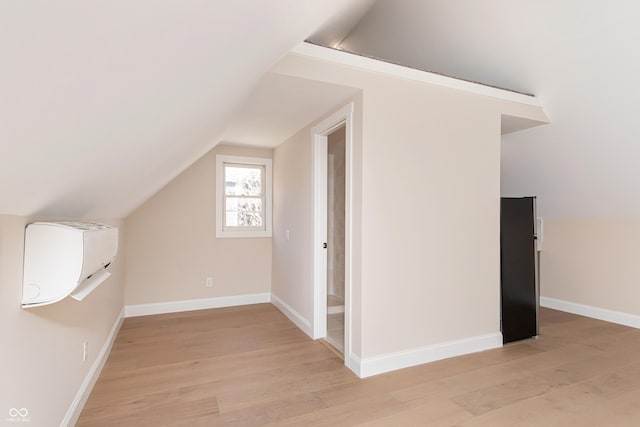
(426, 208)
(292, 275)
(172, 245)
(431, 191)
(41, 348)
(594, 262)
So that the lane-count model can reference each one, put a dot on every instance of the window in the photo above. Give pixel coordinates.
(243, 196)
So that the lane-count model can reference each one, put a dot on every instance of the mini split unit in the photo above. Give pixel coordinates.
(65, 258)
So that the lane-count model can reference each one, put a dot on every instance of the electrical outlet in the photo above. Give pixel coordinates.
(209, 283)
(85, 351)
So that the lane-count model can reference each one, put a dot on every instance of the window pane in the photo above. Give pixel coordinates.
(243, 204)
(244, 219)
(243, 212)
(242, 180)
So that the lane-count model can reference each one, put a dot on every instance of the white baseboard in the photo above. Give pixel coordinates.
(73, 413)
(194, 304)
(299, 320)
(403, 359)
(618, 317)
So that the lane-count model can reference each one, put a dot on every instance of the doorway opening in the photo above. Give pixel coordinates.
(336, 171)
(332, 240)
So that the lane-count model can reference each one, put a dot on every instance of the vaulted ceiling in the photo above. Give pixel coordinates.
(103, 103)
(580, 57)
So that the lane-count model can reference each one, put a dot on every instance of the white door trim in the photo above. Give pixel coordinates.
(319, 136)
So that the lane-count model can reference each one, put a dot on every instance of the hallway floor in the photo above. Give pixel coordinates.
(335, 330)
(335, 322)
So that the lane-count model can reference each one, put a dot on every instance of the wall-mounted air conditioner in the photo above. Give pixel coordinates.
(65, 258)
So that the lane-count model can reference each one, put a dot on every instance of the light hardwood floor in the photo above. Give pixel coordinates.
(335, 322)
(250, 366)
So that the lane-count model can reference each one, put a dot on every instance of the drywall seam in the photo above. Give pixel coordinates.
(299, 320)
(194, 304)
(74, 411)
(403, 359)
(618, 317)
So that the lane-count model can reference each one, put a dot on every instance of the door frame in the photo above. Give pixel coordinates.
(319, 140)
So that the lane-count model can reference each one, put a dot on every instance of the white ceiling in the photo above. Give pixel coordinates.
(334, 31)
(103, 103)
(580, 57)
(279, 107)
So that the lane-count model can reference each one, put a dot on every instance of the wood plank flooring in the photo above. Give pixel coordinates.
(250, 366)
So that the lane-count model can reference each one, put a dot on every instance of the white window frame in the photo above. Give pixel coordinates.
(221, 231)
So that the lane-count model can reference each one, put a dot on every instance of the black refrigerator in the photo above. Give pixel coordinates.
(518, 268)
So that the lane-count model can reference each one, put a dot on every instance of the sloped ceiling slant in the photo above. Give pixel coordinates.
(103, 103)
(580, 58)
